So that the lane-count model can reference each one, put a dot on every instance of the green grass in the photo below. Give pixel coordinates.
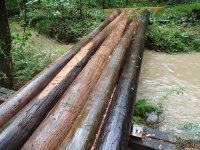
(142, 107)
(180, 34)
(183, 8)
(63, 27)
(27, 58)
(141, 110)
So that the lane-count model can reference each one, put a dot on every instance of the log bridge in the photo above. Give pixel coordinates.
(85, 99)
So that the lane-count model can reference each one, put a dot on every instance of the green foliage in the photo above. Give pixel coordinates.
(179, 33)
(167, 93)
(190, 127)
(3, 76)
(61, 19)
(142, 108)
(189, 131)
(64, 20)
(175, 90)
(172, 91)
(172, 39)
(137, 120)
(27, 60)
(12, 4)
(2, 45)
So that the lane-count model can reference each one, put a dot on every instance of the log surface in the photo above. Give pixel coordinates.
(28, 119)
(54, 128)
(97, 102)
(116, 129)
(14, 104)
(153, 9)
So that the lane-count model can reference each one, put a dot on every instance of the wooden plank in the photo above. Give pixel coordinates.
(137, 131)
(153, 9)
(152, 133)
(151, 139)
(150, 144)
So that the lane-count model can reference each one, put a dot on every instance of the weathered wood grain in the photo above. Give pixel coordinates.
(28, 119)
(153, 9)
(97, 102)
(15, 103)
(54, 128)
(116, 129)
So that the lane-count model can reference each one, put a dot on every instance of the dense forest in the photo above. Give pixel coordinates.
(67, 21)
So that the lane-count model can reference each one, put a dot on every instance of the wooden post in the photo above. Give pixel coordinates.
(14, 104)
(97, 103)
(116, 129)
(54, 128)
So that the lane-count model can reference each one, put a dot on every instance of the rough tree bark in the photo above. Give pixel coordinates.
(14, 104)
(28, 119)
(6, 79)
(98, 101)
(116, 130)
(54, 128)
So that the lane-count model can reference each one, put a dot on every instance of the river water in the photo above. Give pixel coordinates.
(161, 72)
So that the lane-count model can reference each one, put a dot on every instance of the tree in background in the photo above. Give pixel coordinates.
(5, 49)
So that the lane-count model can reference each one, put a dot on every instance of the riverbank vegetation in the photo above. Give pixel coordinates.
(175, 30)
(31, 53)
(147, 113)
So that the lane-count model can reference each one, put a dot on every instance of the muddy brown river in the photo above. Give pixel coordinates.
(161, 72)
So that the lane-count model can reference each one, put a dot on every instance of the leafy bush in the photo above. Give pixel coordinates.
(63, 20)
(27, 60)
(142, 108)
(172, 39)
(180, 31)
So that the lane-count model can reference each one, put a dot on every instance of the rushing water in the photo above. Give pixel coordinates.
(162, 71)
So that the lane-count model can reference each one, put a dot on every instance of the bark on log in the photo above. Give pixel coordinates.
(96, 105)
(116, 130)
(28, 119)
(54, 128)
(15, 135)
(14, 104)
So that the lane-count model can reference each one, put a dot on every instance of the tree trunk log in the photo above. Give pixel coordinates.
(96, 105)
(14, 104)
(116, 130)
(6, 79)
(54, 128)
(16, 134)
